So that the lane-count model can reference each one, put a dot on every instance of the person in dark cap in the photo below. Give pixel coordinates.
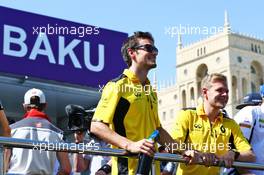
(251, 99)
(251, 121)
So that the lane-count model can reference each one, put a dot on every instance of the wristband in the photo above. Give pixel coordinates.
(106, 168)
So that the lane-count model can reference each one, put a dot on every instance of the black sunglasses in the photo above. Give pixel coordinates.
(148, 47)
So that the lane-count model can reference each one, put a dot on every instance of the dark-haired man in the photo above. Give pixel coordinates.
(127, 112)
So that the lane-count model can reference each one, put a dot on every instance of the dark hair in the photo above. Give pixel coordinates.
(132, 42)
(35, 103)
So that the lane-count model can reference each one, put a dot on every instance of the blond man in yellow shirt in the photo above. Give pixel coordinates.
(207, 130)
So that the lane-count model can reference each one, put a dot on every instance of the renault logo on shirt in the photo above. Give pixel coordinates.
(137, 94)
(222, 129)
(197, 126)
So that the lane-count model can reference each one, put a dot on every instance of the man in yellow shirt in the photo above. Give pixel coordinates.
(127, 113)
(206, 129)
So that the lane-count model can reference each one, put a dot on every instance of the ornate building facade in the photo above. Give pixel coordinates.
(239, 57)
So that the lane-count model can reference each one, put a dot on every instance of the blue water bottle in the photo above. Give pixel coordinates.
(145, 161)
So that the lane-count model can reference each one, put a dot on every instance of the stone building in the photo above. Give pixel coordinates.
(240, 57)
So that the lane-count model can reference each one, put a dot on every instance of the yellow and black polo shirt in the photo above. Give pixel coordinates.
(130, 109)
(194, 131)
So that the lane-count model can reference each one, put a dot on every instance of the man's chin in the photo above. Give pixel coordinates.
(153, 66)
(221, 106)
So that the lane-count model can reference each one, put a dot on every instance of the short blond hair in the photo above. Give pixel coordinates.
(211, 78)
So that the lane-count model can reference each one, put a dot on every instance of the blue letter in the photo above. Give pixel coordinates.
(87, 61)
(42, 38)
(18, 41)
(63, 51)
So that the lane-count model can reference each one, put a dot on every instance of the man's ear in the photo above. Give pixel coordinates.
(45, 105)
(24, 106)
(204, 91)
(132, 54)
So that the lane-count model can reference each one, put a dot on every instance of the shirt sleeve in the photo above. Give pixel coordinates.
(106, 107)
(244, 118)
(240, 141)
(157, 119)
(181, 128)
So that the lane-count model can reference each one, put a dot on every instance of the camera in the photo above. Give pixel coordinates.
(79, 118)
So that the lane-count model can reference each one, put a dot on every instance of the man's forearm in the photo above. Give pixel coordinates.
(169, 143)
(105, 133)
(65, 165)
(80, 164)
(4, 124)
(247, 156)
(7, 156)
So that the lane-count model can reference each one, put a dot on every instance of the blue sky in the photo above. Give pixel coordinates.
(155, 16)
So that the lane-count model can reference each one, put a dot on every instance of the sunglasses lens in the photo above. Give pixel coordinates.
(149, 48)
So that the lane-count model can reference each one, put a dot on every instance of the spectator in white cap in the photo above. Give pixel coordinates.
(251, 121)
(36, 125)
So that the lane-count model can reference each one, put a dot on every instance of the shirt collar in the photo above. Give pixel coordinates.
(132, 76)
(201, 113)
(36, 113)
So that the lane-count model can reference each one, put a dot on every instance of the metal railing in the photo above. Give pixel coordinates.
(6, 142)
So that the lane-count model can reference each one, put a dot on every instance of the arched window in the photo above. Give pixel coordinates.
(239, 59)
(252, 70)
(183, 99)
(164, 116)
(256, 75)
(234, 89)
(244, 87)
(171, 113)
(201, 72)
(253, 87)
(192, 97)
